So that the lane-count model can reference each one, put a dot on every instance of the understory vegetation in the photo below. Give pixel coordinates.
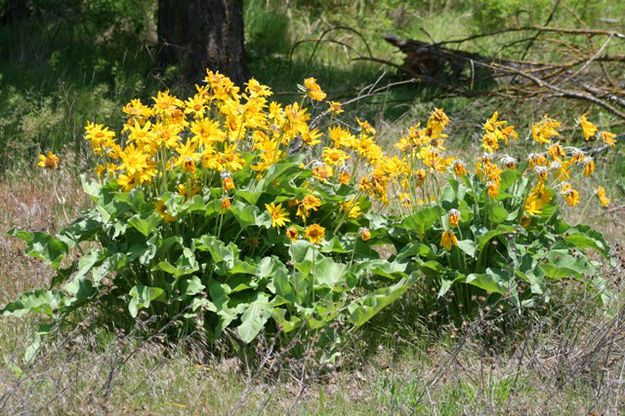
(325, 239)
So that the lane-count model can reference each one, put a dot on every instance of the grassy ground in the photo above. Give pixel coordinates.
(571, 362)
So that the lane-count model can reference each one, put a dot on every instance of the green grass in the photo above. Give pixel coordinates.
(125, 377)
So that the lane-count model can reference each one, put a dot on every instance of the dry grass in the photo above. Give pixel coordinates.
(553, 371)
(32, 203)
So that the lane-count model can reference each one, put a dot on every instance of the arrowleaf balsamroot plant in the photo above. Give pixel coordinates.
(230, 211)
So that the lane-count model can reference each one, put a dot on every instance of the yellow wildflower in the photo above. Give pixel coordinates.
(589, 166)
(603, 198)
(556, 151)
(577, 155)
(256, 89)
(437, 122)
(588, 128)
(335, 107)
(162, 211)
(311, 137)
(571, 196)
(365, 234)
(49, 161)
(448, 240)
(321, 171)
(196, 105)
(187, 157)
(459, 168)
(351, 208)
(366, 127)
(165, 104)
(333, 157)
(509, 162)
(344, 175)
(127, 182)
(225, 202)
(420, 174)
(167, 134)
(311, 202)
(454, 217)
(308, 203)
(279, 216)
(188, 193)
(545, 130)
(206, 131)
(106, 169)
(537, 159)
(227, 182)
(608, 138)
(136, 109)
(314, 90)
(315, 233)
(493, 189)
(537, 199)
(99, 136)
(341, 136)
(292, 233)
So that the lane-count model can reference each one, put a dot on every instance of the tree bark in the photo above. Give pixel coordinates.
(15, 10)
(200, 34)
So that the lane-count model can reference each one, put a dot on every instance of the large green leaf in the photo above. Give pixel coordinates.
(145, 225)
(219, 251)
(422, 220)
(431, 267)
(467, 246)
(560, 264)
(333, 245)
(379, 267)
(254, 318)
(328, 273)
(191, 286)
(508, 178)
(493, 281)
(186, 264)
(366, 307)
(220, 304)
(111, 264)
(451, 193)
(141, 297)
(498, 213)
(42, 246)
(501, 229)
(584, 237)
(249, 215)
(91, 188)
(278, 170)
(43, 301)
(79, 286)
(270, 267)
(416, 249)
(83, 229)
(286, 325)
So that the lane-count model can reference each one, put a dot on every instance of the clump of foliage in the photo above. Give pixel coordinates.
(203, 217)
(491, 15)
(231, 211)
(498, 233)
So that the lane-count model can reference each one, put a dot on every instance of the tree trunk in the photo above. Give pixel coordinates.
(200, 34)
(15, 10)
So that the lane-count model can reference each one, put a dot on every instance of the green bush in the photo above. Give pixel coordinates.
(493, 15)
